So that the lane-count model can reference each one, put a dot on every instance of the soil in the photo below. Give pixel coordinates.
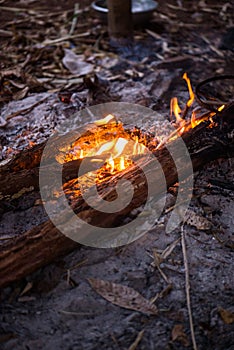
(56, 307)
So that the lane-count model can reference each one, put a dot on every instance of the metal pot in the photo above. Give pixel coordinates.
(142, 10)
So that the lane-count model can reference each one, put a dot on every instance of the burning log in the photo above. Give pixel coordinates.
(205, 140)
(42, 244)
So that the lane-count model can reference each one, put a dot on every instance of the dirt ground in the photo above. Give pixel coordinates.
(56, 307)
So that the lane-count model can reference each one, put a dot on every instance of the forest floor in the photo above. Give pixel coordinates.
(56, 307)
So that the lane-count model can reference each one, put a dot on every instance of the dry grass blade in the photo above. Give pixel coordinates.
(157, 261)
(159, 258)
(169, 249)
(123, 296)
(187, 286)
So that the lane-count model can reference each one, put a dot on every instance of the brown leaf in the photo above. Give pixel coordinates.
(226, 315)
(123, 296)
(178, 334)
(21, 94)
(197, 221)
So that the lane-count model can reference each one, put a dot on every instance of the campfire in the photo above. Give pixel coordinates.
(110, 140)
(112, 149)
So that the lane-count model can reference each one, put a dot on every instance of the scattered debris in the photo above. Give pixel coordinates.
(76, 64)
(179, 335)
(226, 315)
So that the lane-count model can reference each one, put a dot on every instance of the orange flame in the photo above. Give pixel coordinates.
(111, 164)
(120, 152)
(121, 163)
(191, 93)
(110, 118)
(175, 108)
(117, 161)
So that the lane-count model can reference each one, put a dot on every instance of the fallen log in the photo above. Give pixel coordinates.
(42, 244)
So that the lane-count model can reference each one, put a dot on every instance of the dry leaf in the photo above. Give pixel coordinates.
(123, 296)
(197, 221)
(21, 94)
(226, 315)
(178, 334)
(26, 289)
(76, 64)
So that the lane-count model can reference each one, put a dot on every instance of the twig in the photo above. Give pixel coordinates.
(65, 312)
(153, 34)
(17, 9)
(5, 32)
(212, 47)
(4, 238)
(137, 340)
(26, 110)
(74, 20)
(187, 286)
(179, 8)
(65, 38)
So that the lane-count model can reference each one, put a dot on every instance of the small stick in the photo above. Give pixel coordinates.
(187, 286)
(26, 110)
(137, 340)
(65, 38)
(75, 18)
